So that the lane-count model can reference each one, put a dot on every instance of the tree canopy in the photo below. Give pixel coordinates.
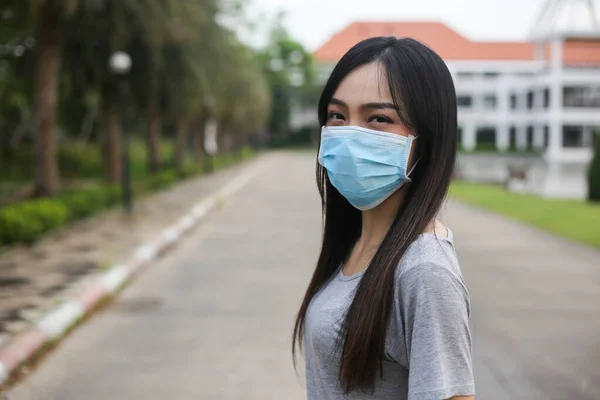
(188, 66)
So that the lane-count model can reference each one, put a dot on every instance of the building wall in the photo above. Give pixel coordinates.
(538, 105)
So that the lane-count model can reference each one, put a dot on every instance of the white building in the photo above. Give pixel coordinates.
(541, 95)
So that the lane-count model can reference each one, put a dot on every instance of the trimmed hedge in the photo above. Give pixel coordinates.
(73, 162)
(29, 220)
(594, 173)
(159, 180)
(86, 202)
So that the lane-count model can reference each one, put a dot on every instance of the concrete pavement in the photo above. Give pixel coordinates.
(213, 319)
(535, 309)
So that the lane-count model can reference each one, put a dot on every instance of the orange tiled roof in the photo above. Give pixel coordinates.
(449, 44)
(582, 52)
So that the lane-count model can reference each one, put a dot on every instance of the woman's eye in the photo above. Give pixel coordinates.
(335, 116)
(380, 119)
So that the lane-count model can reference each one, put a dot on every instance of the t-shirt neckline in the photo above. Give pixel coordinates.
(448, 238)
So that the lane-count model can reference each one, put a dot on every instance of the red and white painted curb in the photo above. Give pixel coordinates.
(54, 324)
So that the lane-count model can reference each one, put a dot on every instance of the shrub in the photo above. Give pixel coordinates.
(76, 161)
(17, 163)
(25, 222)
(247, 153)
(85, 202)
(223, 160)
(160, 180)
(51, 213)
(16, 226)
(190, 170)
(594, 173)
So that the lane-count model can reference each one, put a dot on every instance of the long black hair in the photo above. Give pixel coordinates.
(422, 88)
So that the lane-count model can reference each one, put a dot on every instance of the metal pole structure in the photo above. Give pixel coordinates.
(120, 65)
(209, 136)
(546, 23)
(127, 191)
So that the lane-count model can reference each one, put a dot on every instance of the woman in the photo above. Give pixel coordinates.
(385, 315)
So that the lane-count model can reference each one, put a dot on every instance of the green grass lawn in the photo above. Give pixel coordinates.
(575, 220)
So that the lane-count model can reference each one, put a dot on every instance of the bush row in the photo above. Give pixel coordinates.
(74, 160)
(27, 221)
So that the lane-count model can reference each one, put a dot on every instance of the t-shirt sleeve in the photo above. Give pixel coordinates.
(435, 307)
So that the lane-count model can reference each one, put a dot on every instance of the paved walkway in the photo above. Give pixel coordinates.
(536, 309)
(34, 279)
(213, 319)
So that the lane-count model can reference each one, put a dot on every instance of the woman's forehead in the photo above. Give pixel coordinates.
(365, 84)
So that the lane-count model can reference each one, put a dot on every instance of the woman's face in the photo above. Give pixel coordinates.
(363, 99)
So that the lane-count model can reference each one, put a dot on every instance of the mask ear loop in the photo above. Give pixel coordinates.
(413, 167)
(416, 162)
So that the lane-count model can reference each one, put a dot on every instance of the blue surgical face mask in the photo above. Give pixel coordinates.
(364, 165)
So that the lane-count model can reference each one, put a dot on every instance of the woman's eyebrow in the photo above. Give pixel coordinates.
(338, 102)
(371, 106)
(379, 106)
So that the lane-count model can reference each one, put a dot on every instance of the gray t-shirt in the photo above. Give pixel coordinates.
(428, 344)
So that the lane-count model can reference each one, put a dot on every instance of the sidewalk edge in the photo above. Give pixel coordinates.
(55, 324)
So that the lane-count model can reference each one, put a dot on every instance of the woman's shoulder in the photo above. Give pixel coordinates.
(430, 268)
(430, 252)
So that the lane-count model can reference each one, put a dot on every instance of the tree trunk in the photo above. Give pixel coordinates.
(154, 136)
(181, 140)
(47, 68)
(112, 129)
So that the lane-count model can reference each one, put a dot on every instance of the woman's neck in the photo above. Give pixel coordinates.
(377, 221)
(375, 225)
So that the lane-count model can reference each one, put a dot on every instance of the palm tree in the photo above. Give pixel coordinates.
(244, 100)
(48, 14)
(180, 54)
(112, 24)
(197, 63)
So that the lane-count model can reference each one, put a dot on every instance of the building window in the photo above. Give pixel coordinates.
(490, 74)
(465, 75)
(546, 98)
(572, 136)
(486, 138)
(513, 101)
(464, 101)
(529, 100)
(512, 137)
(581, 97)
(489, 101)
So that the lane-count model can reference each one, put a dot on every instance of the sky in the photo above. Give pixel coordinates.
(312, 22)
